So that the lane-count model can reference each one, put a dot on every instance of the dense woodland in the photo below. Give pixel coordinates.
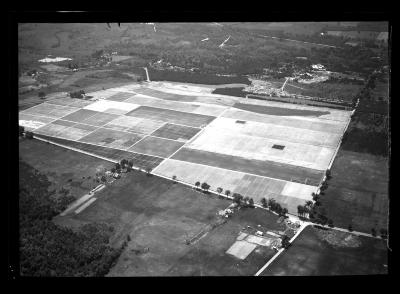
(47, 249)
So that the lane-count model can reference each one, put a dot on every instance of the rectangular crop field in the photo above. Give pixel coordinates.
(176, 132)
(134, 124)
(99, 119)
(50, 110)
(288, 194)
(120, 96)
(251, 147)
(112, 138)
(80, 115)
(171, 116)
(276, 132)
(269, 169)
(139, 160)
(156, 146)
(325, 253)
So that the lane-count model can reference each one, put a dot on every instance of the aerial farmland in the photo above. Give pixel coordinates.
(166, 164)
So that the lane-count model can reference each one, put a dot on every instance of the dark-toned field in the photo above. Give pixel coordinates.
(171, 116)
(278, 110)
(314, 253)
(112, 138)
(64, 168)
(165, 95)
(358, 191)
(156, 146)
(271, 169)
(159, 216)
(175, 132)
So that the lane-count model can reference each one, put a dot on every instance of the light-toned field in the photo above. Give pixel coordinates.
(251, 147)
(276, 132)
(288, 194)
(307, 123)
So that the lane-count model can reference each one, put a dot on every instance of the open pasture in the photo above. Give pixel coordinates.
(276, 132)
(312, 255)
(308, 123)
(250, 147)
(268, 169)
(358, 191)
(156, 146)
(176, 132)
(171, 116)
(288, 194)
(112, 138)
(134, 124)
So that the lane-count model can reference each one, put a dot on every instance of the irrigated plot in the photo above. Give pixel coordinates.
(250, 147)
(99, 119)
(269, 169)
(171, 116)
(112, 138)
(156, 146)
(134, 124)
(176, 132)
(313, 124)
(80, 115)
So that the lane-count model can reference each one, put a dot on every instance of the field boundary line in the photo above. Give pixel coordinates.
(190, 140)
(79, 150)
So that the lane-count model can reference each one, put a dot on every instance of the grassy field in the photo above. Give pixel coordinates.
(358, 191)
(64, 168)
(323, 253)
(160, 216)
